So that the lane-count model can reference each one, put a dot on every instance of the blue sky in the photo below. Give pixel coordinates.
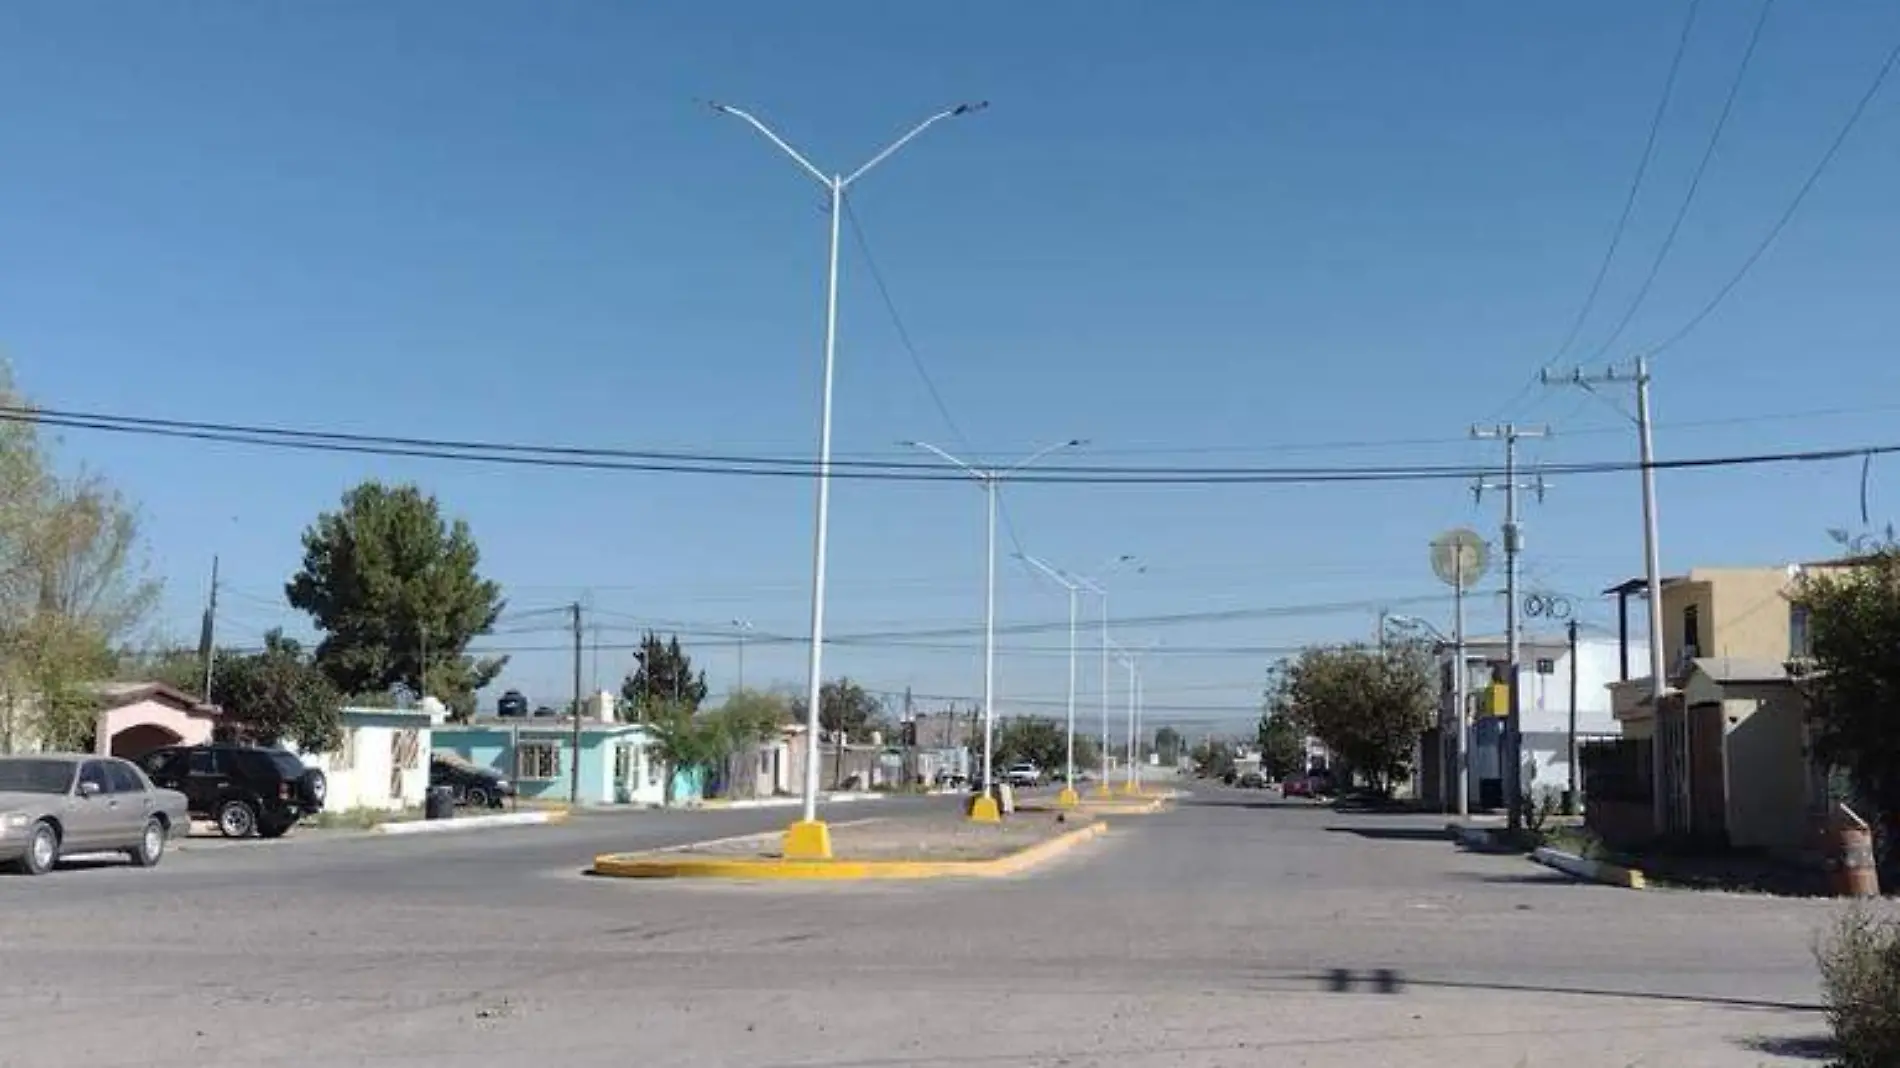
(1205, 233)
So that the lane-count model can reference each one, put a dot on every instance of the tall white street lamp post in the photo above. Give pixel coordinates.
(984, 809)
(810, 838)
(1068, 798)
(1098, 587)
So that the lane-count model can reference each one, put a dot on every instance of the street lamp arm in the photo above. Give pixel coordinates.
(1055, 574)
(974, 472)
(891, 149)
(1072, 443)
(747, 117)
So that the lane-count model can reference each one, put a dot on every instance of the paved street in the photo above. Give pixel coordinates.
(1202, 936)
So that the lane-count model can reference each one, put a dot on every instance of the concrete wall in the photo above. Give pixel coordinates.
(362, 770)
(1743, 612)
(1768, 803)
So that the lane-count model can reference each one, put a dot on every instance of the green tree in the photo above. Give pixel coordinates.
(1369, 706)
(1852, 684)
(844, 708)
(397, 591)
(1170, 746)
(279, 694)
(71, 587)
(683, 740)
(662, 672)
(1281, 733)
(1039, 741)
(1213, 758)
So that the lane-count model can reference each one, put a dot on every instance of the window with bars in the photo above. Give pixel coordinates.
(538, 760)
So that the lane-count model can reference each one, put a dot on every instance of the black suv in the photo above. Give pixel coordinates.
(245, 789)
(470, 785)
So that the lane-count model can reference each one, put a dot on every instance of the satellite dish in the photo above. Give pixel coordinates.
(1460, 558)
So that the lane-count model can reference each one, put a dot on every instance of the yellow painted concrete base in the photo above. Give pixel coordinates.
(808, 840)
(1068, 798)
(1130, 789)
(983, 809)
(1102, 790)
(664, 865)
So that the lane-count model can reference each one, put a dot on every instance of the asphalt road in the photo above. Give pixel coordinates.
(1208, 935)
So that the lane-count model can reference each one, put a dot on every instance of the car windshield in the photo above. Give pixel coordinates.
(36, 776)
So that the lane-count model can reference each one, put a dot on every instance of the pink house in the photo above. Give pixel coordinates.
(138, 717)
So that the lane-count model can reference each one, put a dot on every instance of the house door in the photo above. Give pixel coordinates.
(1672, 748)
(404, 755)
(1708, 799)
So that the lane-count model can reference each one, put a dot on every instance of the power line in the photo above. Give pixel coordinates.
(1636, 183)
(1781, 223)
(903, 332)
(1695, 181)
(1052, 474)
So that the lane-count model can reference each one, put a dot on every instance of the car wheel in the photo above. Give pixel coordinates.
(42, 850)
(237, 819)
(275, 828)
(476, 797)
(151, 847)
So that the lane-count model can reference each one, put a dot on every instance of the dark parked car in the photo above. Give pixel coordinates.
(470, 785)
(245, 789)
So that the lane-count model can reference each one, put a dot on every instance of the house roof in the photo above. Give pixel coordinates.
(1729, 669)
(1641, 583)
(119, 693)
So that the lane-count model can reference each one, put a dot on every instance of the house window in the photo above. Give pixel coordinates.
(653, 770)
(1692, 631)
(538, 760)
(1800, 641)
(623, 763)
(343, 758)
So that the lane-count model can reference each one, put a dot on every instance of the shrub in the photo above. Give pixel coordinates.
(1860, 982)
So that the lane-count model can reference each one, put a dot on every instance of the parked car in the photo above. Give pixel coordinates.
(1297, 786)
(1022, 775)
(245, 789)
(1253, 780)
(52, 804)
(468, 784)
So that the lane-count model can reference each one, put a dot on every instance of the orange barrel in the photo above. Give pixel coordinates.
(1850, 862)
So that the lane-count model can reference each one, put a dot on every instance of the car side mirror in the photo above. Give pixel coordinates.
(88, 789)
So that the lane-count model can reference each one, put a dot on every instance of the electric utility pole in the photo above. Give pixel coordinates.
(207, 640)
(1513, 756)
(574, 771)
(1570, 794)
(1638, 376)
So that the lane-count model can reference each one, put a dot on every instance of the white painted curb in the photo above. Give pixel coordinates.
(469, 823)
(1594, 870)
(787, 802)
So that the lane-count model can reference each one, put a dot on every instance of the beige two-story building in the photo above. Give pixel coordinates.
(1731, 733)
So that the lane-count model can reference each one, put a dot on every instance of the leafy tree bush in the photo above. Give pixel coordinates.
(1368, 706)
(396, 588)
(1860, 983)
(662, 672)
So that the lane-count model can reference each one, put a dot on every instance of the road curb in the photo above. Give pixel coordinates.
(720, 805)
(659, 865)
(472, 823)
(1595, 871)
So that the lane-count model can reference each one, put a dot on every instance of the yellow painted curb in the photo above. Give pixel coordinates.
(659, 865)
(1595, 871)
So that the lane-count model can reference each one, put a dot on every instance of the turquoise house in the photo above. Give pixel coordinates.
(538, 755)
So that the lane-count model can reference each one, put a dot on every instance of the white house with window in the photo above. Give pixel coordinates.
(382, 761)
